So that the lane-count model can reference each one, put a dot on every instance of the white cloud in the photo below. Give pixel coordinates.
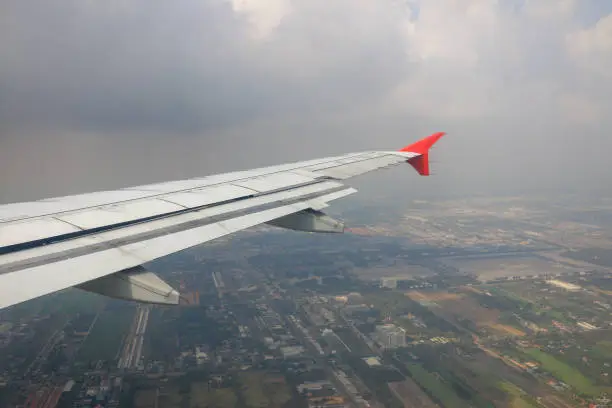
(581, 110)
(451, 31)
(551, 9)
(263, 17)
(434, 58)
(474, 58)
(307, 77)
(591, 48)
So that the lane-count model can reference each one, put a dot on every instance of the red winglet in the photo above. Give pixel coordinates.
(421, 162)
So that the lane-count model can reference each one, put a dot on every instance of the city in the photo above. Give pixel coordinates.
(463, 303)
(192, 213)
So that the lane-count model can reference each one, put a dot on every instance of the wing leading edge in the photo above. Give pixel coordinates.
(98, 242)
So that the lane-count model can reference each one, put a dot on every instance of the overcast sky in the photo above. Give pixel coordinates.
(106, 94)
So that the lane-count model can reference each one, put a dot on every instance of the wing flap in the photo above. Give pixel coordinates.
(119, 213)
(143, 231)
(208, 195)
(50, 206)
(342, 170)
(299, 172)
(27, 231)
(272, 182)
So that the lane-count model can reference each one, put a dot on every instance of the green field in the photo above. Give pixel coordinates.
(146, 398)
(5, 327)
(257, 392)
(443, 392)
(198, 394)
(565, 373)
(106, 336)
(201, 397)
(519, 399)
(387, 302)
(603, 348)
(171, 398)
(252, 390)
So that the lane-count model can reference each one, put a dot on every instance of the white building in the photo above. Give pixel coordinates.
(390, 336)
(372, 361)
(291, 351)
(388, 283)
(201, 356)
(564, 285)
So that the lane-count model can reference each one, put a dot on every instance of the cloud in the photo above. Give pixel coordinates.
(481, 58)
(591, 48)
(262, 17)
(105, 94)
(191, 65)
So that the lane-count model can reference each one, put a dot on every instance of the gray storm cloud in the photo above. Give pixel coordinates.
(188, 66)
(106, 94)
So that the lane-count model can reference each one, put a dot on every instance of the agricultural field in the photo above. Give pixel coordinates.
(518, 397)
(514, 384)
(247, 390)
(171, 398)
(398, 305)
(411, 394)
(357, 346)
(198, 395)
(432, 296)
(401, 272)
(590, 353)
(106, 336)
(147, 399)
(258, 390)
(503, 267)
(201, 396)
(464, 310)
(566, 373)
(548, 301)
(445, 377)
(432, 384)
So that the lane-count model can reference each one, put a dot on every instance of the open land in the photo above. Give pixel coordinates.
(475, 302)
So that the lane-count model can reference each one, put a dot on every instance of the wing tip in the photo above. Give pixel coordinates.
(421, 162)
(423, 145)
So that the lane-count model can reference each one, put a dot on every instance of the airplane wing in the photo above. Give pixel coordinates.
(99, 241)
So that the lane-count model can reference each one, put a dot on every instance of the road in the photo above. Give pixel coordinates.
(342, 384)
(132, 347)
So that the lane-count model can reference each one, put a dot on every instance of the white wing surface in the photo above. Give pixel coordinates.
(99, 241)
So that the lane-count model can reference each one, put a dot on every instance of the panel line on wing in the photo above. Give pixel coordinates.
(172, 202)
(7, 218)
(144, 236)
(65, 222)
(83, 232)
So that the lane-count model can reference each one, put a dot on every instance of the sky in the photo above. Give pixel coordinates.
(107, 94)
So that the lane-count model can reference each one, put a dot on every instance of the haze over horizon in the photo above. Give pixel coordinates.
(98, 95)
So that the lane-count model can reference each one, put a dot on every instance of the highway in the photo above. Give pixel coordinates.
(132, 347)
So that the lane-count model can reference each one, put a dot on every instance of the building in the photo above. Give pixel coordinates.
(292, 351)
(587, 326)
(390, 336)
(335, 401)
(201, 356)
(389, 283)
(372, 361)
(354, 298)
(564, 285)
(351, 309)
